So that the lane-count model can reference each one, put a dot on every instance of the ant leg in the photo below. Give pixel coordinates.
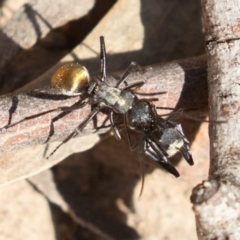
(157, 154)
(150, 99)
(28, 118)
(72, 108)
(63, 109)
(141, 149)
(149, 94)
(134, 85)
(79, 128)
(64, 112)
(185, 151)
(114, 127)
(196, 119)
(188, 116)
(180, 112)
(131, 146)
(167, 166)
(176, 111)
(169, 108)
(103, 59)
(127, 72)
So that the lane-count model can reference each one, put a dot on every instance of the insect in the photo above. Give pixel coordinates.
(160, 138)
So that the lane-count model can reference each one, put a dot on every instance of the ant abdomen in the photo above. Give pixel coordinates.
(71, 79)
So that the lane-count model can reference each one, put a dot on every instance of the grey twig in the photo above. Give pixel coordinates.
(216, 201)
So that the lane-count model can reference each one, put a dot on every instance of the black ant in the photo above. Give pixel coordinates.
(161, 138)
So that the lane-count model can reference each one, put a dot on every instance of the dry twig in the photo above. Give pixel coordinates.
(216, 201)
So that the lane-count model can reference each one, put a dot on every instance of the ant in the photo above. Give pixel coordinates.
(160, 138)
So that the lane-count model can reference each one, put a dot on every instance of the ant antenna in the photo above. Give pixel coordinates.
(141, 171)
(103, 59)
(64, 141)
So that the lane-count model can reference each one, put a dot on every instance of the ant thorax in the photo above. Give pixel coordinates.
(119, 100)
(142, 116)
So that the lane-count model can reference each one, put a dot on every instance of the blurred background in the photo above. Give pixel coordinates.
(94, 194)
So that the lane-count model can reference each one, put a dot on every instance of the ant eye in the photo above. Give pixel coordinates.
(71, 79)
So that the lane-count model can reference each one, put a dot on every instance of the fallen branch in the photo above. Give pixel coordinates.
(216, 202)
(182, 84)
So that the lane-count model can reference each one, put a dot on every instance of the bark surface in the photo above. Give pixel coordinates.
(216, 201)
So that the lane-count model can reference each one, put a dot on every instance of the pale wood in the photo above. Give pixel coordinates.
(217, 214)
(35, 20)
(22, 48)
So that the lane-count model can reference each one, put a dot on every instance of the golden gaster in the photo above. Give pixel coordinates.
(71, 79)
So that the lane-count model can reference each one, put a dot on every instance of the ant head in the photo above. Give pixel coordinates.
(71, 79)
